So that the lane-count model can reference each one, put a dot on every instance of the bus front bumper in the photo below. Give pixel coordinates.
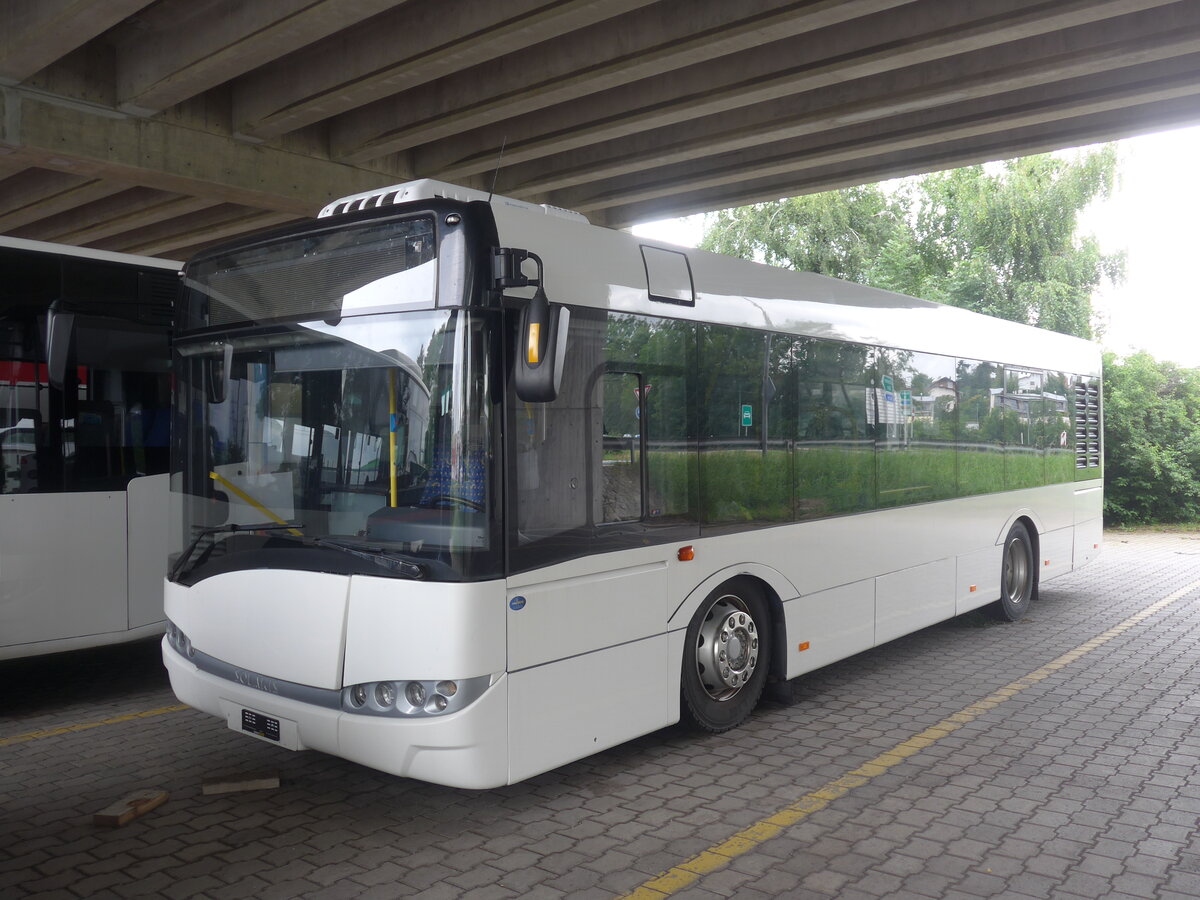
(466, 749)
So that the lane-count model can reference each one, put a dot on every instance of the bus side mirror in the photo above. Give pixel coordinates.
(60, 334)
(216, 374)
(542, 329)
(541, 349)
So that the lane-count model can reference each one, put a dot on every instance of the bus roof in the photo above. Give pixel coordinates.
(594, 266)
(87, 253)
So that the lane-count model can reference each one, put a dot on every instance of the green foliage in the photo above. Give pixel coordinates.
(1152, 441)
(1001, 242)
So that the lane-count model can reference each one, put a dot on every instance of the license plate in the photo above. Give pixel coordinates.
(263, 726)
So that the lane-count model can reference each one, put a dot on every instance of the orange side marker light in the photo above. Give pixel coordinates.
(686, 554)
(973, 588)
(803, 646)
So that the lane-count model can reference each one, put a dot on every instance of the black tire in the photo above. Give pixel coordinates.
(726, 655)
(1018, 576)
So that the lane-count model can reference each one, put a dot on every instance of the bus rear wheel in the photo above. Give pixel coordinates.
(1017, 576)
(726, 655)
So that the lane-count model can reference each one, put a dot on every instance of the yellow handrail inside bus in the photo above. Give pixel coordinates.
(246, 498)
(392, 436)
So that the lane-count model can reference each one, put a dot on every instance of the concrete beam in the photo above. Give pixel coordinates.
(785, 159)
(662, 38)
(205, 228)
(39, 194)
(1071, 132)
(1012, 67)
(1103, 127)
(768, 74)
(35, 33)
(181, 48)
(398, 51)
(95, 142)
(120, 213)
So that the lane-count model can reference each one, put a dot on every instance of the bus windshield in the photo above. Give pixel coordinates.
(361, 445)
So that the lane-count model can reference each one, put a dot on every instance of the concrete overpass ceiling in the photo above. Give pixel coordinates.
(163, 127)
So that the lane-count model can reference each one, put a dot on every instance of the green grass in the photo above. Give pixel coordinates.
(748, 485)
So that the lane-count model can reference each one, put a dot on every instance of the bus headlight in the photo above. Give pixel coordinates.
(415, 698)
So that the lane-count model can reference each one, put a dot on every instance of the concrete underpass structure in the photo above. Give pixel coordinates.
(161, 127)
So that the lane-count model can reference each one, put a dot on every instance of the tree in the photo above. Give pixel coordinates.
(998, 241)
(1152, 440)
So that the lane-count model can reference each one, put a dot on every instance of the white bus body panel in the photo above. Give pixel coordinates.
(575, 707)
(150, 543)
(834, 623)
(63, 571)
(619, 606)
(588, 657)
(913, 598)
(278, 623)
(399, 629)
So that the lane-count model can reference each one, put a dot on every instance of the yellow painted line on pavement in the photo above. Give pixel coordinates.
(84, 726)
(718, 856)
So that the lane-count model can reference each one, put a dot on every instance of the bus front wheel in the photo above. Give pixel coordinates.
(727, 653)
(1017, 575)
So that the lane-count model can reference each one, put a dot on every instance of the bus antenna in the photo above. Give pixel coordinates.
(496, 174)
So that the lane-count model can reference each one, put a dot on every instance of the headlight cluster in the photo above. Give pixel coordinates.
(413, 698)
(179, 641)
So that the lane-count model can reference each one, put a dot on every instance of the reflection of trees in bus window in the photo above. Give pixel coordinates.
(744, 477)
(1059, 429)
(825, 387)
(1028, 410)
(980, 427)
(662, 354)
(916, 404)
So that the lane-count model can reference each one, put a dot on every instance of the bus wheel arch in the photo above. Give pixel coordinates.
(729, 653)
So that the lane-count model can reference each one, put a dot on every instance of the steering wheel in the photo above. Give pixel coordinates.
(454, 498)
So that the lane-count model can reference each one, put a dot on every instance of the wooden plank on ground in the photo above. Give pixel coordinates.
(124, 811)
(236, 783)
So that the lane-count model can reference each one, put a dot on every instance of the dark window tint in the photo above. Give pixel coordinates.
(108, 421)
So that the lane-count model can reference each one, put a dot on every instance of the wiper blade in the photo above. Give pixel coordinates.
(231, 528)
(377, 555)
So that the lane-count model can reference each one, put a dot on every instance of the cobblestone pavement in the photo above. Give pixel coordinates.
(1081, 784)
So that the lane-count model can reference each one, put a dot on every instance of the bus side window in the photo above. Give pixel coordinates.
(619, 498)
(549, 441)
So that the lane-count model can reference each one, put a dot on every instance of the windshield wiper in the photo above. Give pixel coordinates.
(231, 528)
(377, 555)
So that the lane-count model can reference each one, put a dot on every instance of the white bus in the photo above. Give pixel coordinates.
(451, 529)
(84, 445)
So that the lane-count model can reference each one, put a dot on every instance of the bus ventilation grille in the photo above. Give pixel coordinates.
(1087, 423)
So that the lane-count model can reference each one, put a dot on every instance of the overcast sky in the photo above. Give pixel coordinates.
(1152, 216)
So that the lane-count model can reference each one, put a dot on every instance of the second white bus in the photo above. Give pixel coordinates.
(84, 445)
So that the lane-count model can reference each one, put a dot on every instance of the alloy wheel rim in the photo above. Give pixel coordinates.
(727, 648)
